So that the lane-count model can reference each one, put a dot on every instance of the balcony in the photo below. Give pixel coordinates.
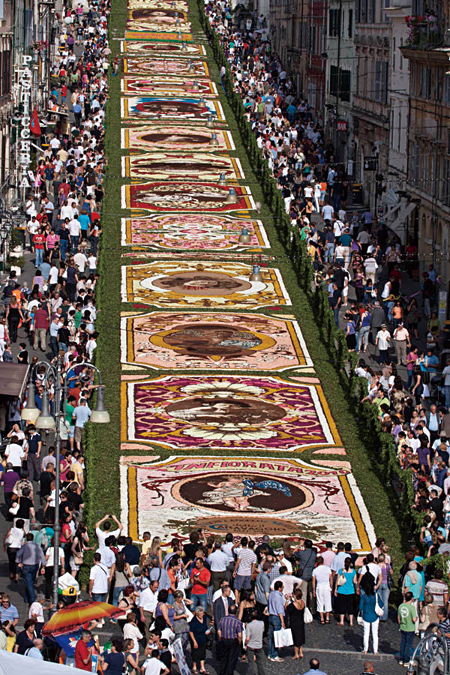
(424, 32)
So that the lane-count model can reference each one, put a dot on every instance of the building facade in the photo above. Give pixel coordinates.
(428, 53)
(371, 116)
(340, 80)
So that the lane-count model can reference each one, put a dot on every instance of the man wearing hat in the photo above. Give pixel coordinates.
(382, 341)
(401, 342)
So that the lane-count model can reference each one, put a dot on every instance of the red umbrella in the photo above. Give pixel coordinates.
(74, 616)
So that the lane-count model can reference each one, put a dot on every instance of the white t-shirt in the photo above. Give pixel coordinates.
(327, 211)
(99, 574)
(383, 339)
(131, 632)
(102, 536)
(322, 574)
(14, 454)
(51, 556)
(36, 608)
(373, 568)
(153, 666)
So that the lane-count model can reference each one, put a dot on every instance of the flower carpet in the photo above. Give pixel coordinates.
(224, 422)
(191, 232)
(192, 165)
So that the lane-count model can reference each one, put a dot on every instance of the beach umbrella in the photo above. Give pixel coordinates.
(69, 619)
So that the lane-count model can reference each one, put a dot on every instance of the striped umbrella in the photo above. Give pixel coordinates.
(69, 619)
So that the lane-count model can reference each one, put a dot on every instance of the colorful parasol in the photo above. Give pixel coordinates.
(69, 619)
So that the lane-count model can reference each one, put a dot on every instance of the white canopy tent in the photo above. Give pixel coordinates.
(15, 664)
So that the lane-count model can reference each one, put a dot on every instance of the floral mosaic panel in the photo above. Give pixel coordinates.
(218, 412)
(158, 107)
(158, 137)
(208, 341)
(172, 49)
(166, 85)
(190, 166)
(186, 197)
(216, 284)
(243, 495)
(191, 231)
(168, 66)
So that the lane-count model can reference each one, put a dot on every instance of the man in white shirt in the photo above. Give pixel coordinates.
(107, 532)
(80, 261)
(108, 557)
(218, 563)
(339, 559)
(153, 666)
(373, 568)
(289, 581)
(382, 341)
(98, 580)
(147, 601)
(14, 454)
(370, 267)
(327, 212)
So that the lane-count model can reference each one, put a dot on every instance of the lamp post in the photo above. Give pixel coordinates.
(43, 419)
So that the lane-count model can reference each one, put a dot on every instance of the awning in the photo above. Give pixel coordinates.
(13, 378)
(15, 664)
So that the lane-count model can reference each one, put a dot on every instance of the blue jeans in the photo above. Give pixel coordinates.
(406, 644)
(99, 597)
(39, 256)
(29, 573)
(74, 244)
(329, 252)
(447, 395)
(336, 316)
(274, 624)
(200, 599)
(384, 592)
(363, 333)
(63, 245)
(116, 592)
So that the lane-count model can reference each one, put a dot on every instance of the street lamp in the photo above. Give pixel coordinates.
(43, 419)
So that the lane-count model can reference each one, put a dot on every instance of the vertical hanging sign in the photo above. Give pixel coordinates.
(25, 80)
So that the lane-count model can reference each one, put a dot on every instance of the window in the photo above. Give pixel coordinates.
(400, 130)
(340, 83)
(446, 183)
(446, 95)
(393, 52)
(425, 82)
(334, 23)
(381, 81)
(401, 55)
(350, 23)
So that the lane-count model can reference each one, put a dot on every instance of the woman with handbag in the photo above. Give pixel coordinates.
(121, 573)
(345, 592)
(370, 607)
(79, 546)
(181, 617)
(295, 613)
